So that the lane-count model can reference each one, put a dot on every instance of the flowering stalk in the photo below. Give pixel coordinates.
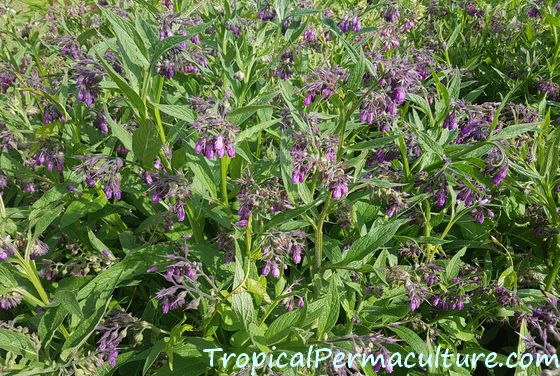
(224, 163)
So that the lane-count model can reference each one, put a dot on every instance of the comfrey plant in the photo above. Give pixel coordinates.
(274, 176)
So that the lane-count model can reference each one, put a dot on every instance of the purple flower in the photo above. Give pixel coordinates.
(391, 15)
(168, 4)
(49, 156)
(450, 121)
(501, 175)
(3, 183)
(51, 114)
(10, 300)
(278, 246)
(114, 329)
(172, 188)
(7, 247)
(284, 70)
(69, 46)
(7, 78)
(104, 169)
(267, 13)
(309, 35)
(88, 75)
(38, 249)
(323, 82)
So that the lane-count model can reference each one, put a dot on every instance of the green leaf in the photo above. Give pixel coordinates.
(17, 343)
(81, 207)
(452, 269)
(378, 236)
(146, 144)
(178, 112)
(331, 310)
(282, 326)
(513, 131)
(69, 301)
(118, 131)
(247, 133)
(411, 338)
(239, 115)
(241, 301)
(155, 350)
(125, 40)
(128, 91)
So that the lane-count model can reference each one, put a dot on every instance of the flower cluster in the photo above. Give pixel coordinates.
(323, 82)
(114, 329)
(261, 199)
(217, 133)
(103, 169)
(7, 78)
(88, 75)
(184, 275)
(169, 187)
(278, 246)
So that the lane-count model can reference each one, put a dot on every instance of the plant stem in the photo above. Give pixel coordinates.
(224, 163)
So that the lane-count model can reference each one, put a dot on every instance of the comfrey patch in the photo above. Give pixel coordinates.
(279, 187)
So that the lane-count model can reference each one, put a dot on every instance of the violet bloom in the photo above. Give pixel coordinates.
(7, 78)
(51, 114)
(290, 302)
(218, 134)
(262, 199)
(450, 121)
(267, 13)
(280, 246)
(7, 247)
(114, 329)
(69, 46)
(323, 82)
(88, 75)
(10, 300)
(391, 14)
(184, 275)
(38, 249)
(501, 175)
(49, 156)
(309, 35)
(3, 183)
(533, 12)
(284, 70)
(100, 122)
(168, 4)
(171, 187)
(7, 139)
(104, 169)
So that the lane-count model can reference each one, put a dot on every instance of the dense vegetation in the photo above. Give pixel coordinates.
(370, 176)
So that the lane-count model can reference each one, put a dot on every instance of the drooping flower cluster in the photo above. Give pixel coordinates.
(551, 89)
(473, 194)
(497, 165)
(7, 78)
(168, 187)
(543, 325)
(51, 113)
(8, 140)
(290, 302)
(184, 275)
(7, 247)
(350, 23)
(88, 75)
(103, 169)
(266, 12)
(278, 247)
(114, 329)
(48, 155)
(217, 133)
(69, 46)
(306, 160)
(80, 262)
(323, 82)
(261, 199)
(11, 299)
(400, 76)
(286, 65)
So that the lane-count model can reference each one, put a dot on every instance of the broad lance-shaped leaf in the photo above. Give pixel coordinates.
(242, 301)
(378, 236)
(146, 143)
(17, 343)
(330, 311)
